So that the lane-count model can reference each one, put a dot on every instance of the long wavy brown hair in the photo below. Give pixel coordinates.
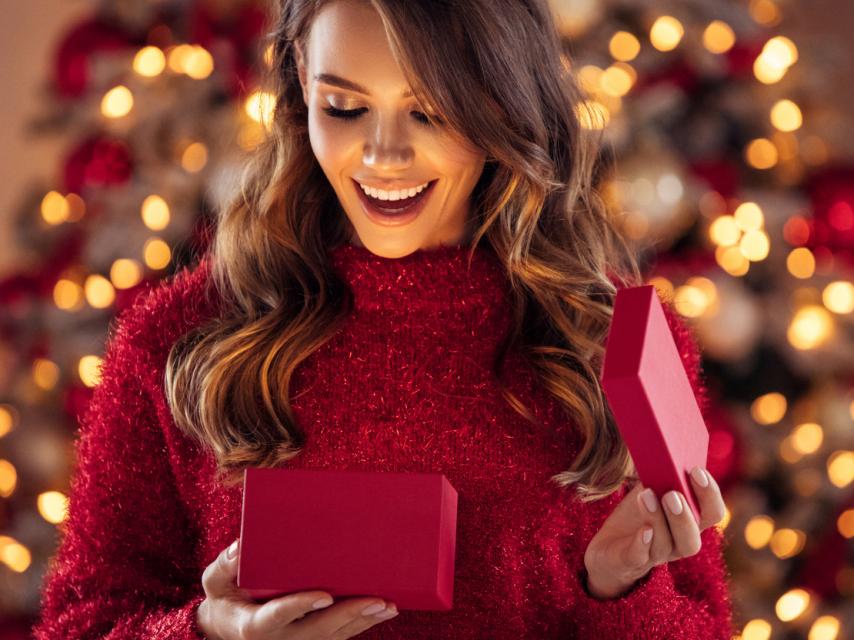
(537, 205)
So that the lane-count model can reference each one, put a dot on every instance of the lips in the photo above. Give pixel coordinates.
(394, 212)
(394, 206)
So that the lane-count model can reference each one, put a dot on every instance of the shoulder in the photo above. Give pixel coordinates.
(161, 314)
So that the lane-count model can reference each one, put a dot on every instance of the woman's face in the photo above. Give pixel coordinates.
(388, 141)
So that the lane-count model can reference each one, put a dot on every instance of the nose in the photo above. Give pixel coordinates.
(388, 150)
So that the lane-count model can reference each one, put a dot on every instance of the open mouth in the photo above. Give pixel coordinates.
(394, 211)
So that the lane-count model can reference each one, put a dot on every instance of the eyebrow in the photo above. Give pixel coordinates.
(337, 81)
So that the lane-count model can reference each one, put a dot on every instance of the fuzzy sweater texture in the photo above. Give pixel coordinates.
(405, 385)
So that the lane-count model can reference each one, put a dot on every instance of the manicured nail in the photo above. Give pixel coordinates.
(649, 500)
(232, 549)
(323, 602)
(374, 608)
(700, 476)
(673, 503)
(647, 536)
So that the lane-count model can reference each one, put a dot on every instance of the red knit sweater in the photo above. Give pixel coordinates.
(404, 386)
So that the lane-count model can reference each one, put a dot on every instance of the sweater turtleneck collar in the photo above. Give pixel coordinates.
(429, 279)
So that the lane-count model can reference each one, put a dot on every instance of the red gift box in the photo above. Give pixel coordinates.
(350, 533)
(650, 395)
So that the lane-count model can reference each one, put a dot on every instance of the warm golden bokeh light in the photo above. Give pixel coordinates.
(616, 81)
(840, 468)
(67, 295)
(7, 419)
(764, 12)
(824, 628)
(198, 63)
(838, 297)
(194, 157)
(758, 531)
(14, 555)
(260, 106)
(811, 327)
(761, 153)
(718, 37)
(54, 208)
(117, 102)
(768, 408)
(801, 263)
(624, 46)
(786, 116)
(748, 217)
(666, 33)
(845, 524)
(756, 629)
(125, 273)
(792, 604)
(45, 373)
(149, 62)
(156, 254)
(8, 478)
(724, 231)
(155, 212)
(732, 261)
(754, 245)
(807, 437)
(53, 506)
(99, 291)
(89, 370)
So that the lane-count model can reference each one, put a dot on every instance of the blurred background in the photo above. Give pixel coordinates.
(732, 128)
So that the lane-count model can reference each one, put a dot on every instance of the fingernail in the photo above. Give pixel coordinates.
(673, 503)
(374, 608)
(323, 602)
(649, 500)
(232, 549)
(388, 613)
(700, 476)
(647, 536)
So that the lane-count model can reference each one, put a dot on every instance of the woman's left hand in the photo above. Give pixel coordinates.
(617, 556)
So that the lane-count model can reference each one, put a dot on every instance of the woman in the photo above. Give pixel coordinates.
(463, 335)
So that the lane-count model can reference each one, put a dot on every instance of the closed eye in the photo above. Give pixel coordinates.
(352, 114)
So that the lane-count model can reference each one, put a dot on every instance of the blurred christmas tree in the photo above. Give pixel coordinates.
(725, 176)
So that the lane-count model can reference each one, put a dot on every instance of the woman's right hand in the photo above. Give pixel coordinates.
(229, 613)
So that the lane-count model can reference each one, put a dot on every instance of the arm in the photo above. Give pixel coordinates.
(686, 598)
(125, 567)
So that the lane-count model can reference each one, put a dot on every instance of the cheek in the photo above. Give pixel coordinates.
(330, 141)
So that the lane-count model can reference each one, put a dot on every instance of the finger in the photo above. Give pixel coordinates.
(341, 620)
(220, 575)
(636, 556)
(274, 614)
(358, 625)
(712, 507)
(683, 526)
(661, 546)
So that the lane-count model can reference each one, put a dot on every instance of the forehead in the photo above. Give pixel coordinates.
(348, 39)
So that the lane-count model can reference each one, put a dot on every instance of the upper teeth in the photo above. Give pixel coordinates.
(393, 195)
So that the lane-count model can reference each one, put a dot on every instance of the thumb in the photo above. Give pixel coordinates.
(221, 577)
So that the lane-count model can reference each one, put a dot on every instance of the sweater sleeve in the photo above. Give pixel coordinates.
(686, 598)
(125, 566)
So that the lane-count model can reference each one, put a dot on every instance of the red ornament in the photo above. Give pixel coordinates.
(98, 161)
(831, 229)
(71, 59)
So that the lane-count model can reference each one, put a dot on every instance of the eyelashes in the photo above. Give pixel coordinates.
(352, 114)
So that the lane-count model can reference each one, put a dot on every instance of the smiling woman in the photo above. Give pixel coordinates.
(366, 126)
(417, 275)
